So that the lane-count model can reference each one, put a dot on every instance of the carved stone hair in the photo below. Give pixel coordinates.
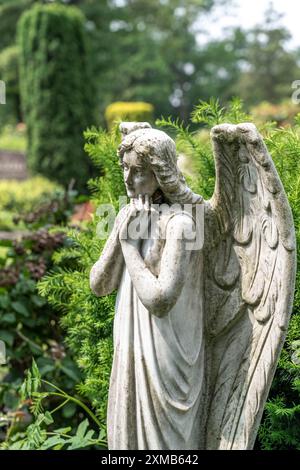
(158, 150)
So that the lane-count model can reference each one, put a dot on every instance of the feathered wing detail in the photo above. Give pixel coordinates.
(249, 283)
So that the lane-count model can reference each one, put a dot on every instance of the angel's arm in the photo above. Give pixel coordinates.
(106, 273)
(159, 294)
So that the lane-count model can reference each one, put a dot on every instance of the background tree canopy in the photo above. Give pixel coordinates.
(148, 51)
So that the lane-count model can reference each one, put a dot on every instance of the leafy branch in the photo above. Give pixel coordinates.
(36, 435)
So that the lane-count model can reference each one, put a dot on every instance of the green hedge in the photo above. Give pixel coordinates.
(128, 111)
(11, 112)
(56, 90)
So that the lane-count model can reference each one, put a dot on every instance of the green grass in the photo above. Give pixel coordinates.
(13, 139)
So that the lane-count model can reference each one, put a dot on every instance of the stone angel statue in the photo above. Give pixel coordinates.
(197, 332)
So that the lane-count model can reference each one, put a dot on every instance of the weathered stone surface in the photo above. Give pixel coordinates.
(197, 332)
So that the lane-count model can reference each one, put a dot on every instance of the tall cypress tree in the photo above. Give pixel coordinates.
(56, 90)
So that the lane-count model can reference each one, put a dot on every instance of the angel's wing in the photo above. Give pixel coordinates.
(249, 284)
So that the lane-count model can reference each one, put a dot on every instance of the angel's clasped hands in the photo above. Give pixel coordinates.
(135, 225)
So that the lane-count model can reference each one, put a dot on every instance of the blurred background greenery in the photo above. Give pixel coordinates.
(73, 69)
(145, 50)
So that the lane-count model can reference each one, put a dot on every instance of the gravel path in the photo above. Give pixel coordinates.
(15, 235)
(12, 165)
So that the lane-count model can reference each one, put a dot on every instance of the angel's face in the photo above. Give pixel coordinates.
(138, 176)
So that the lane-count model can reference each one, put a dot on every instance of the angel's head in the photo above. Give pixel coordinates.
(149, 161)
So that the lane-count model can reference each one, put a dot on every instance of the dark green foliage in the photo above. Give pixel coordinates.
(11, 112)
(29, 326)
(280, 429)
(56, 91)
(10, 11)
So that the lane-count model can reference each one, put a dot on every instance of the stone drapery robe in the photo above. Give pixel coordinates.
(157, 379)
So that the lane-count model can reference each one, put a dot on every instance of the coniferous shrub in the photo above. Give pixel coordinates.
(56, 90)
